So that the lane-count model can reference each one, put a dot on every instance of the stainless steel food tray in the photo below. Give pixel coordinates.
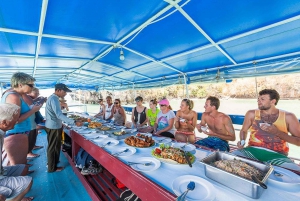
(235, 182)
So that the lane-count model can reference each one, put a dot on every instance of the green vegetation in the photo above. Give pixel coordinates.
(288, 87)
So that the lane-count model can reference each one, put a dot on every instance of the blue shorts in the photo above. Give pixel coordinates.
(214, 143)
(22, 133)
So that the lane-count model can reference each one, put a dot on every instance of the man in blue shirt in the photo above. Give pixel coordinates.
(54, 118)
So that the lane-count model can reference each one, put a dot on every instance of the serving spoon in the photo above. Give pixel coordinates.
(190, 187)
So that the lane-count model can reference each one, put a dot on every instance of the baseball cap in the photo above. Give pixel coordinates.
(164, 102)
(63, 87)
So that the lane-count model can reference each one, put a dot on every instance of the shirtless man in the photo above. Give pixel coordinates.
(217, 125)
(269, 128)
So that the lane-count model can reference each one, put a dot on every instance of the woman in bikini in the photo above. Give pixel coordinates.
(185, 122)
(119, 113)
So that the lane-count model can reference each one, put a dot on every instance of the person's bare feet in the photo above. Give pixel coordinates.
(58, 169)
(38, 147)
(32, 155)
(27, 199)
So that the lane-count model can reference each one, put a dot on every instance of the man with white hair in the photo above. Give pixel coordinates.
(13, 186)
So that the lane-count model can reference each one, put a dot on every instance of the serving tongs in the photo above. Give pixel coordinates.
(185, 155)
(260, 183)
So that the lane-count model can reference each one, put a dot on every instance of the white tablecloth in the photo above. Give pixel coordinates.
(166, 173)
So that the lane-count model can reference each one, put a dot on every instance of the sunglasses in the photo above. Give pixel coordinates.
(30, 85)
(162, 105)
(116, 103)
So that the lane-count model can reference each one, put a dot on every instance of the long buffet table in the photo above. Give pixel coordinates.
(157, 184)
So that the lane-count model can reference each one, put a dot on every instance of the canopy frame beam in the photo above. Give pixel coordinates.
(39, 40)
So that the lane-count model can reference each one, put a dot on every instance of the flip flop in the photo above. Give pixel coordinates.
(38, 147)
(30, 171)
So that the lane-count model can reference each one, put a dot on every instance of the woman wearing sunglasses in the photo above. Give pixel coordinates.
(185, 122)
(16, 139)
(119, 113)
(164, 125)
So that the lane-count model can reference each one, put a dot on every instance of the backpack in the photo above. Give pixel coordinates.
(83, 159)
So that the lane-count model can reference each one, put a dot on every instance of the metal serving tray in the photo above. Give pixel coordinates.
(235, 182)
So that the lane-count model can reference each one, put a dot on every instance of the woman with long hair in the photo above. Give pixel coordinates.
(102, 106)
(138, 115)
(185, 122)
(16, 139)
(164, 125)
(152, 112)
(119, 113)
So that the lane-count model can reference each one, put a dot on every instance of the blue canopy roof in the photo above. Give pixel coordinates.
(79, 42)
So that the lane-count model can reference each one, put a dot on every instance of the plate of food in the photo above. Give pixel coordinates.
(139, 142)
(172, 155)
(105, 128)
(94, 125)
(203, 191)
(143, 135)
(119, 132)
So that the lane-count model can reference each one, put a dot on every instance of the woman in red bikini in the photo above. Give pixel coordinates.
(185, 122)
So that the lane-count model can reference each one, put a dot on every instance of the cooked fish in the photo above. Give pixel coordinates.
(239, 168)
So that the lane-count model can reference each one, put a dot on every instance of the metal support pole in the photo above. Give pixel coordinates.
(79, 96)
(134, 91)
(186, 86)
(256, 93)
(1, 88)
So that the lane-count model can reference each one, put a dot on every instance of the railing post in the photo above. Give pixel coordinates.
(186, 86)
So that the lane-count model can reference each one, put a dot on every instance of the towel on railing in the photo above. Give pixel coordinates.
(268, 156)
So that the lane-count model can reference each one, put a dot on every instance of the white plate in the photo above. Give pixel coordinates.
(130, 151)
(112, 141)
(96, 138)
(139, 167)
(188, 147)
(162, 140)
(204, 190)
(146, 134)
(287, 178)
(170, 161)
